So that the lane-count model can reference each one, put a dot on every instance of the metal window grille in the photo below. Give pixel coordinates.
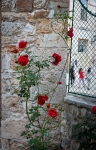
(83, 53)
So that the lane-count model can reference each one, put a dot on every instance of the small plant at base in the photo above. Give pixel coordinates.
(86, 132)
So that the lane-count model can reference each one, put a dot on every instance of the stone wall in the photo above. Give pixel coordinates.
(20, 21)
(75, 107)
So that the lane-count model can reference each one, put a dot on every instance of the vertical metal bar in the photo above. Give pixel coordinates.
(71, 44)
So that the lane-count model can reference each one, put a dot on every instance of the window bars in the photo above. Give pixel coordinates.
(82, 72)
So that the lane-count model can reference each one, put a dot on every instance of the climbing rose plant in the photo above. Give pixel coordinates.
(43, 117)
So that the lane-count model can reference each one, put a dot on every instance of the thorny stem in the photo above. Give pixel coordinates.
(37, 103)
(59, 34)
(28, 115)
(27, 111)
(59, 80)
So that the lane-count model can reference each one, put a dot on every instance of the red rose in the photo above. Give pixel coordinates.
(94, 109)
(23, 60)
(22, 44)
(57, 58)
(70, 34)
(41, 102)
(45, 97)
(14, 50)
(71, 29)
(48, 105)
(52, 113)
(59, 82)
(42, 99)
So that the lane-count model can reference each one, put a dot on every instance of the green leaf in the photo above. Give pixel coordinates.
(83, 146)
(23, 133)
(91, 135)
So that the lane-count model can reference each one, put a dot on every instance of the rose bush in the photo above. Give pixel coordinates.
(29, 75)
(43, 117)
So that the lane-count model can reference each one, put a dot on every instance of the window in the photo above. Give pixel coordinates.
(82, 45)
(83, 11)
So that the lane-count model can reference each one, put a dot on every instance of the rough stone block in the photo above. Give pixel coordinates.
(66, 143)
(12, 128)
(8, 48)
(83, 112)
(39, 14)
(51, 41)
(5, 61)
(75, 112)
(6, 5)
(8, 144)
(67, 118)
(14, 16)
(64, 5)
(44, 26)
(12, 28)
(10, 102)
(15, 145)
(24, 5)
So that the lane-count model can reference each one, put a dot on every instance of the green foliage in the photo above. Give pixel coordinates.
(64, 19)
(86, 133)
(38, 130)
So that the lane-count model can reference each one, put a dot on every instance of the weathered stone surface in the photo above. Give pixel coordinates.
(62, 3)
(44, 26)
(51, 40)
(35, 28)
(8, 144)
(39, 4)
(13, 16)
(17, 145)
(7, 5)
(6, 61)
(8, 48)
(66, 143)
(9, 40)
(10, 102)
(39, 14)
(74, 109)
(24, 6)
(4, 87)
(10, 126)
(12, 28)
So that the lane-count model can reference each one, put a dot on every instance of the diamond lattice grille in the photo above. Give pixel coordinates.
(83, 52)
